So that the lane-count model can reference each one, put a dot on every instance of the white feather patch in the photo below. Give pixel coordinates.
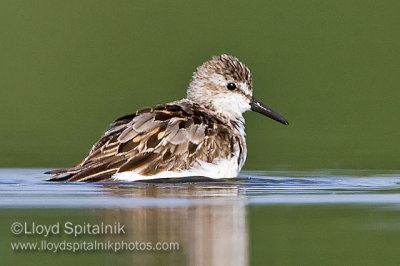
(222, 168)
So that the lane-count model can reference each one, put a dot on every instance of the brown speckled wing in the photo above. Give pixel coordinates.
(165, 138)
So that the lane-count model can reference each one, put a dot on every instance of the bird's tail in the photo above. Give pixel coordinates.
(94, 173)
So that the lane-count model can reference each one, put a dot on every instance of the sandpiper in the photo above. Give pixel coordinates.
(201, 135)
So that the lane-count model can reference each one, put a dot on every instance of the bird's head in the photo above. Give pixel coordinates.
(224, 86)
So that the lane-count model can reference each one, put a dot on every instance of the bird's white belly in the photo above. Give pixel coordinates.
(222, 168)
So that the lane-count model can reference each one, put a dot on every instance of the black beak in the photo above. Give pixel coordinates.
(259, 107)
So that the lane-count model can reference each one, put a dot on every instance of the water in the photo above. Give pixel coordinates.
(28, 188)
(69, 68)
(328, 217)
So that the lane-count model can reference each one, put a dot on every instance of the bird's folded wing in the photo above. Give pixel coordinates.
(150, 141)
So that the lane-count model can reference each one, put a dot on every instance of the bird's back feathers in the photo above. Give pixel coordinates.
(172, 137)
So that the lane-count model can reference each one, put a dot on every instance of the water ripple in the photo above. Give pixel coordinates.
(27, 188)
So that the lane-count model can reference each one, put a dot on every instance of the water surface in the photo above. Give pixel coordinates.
(29, 188)
(275, 217)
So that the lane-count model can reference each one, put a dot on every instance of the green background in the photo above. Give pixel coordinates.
(69, 68)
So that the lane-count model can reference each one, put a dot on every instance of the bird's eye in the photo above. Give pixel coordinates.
(231, 86)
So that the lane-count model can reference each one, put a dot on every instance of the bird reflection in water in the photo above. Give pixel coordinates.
(208, 220)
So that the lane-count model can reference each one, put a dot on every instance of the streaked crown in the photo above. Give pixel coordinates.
(223, 85)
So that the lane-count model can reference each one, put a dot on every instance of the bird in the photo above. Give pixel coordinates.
(201, 135)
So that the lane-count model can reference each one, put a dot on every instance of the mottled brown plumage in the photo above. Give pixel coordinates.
(187, 136)
(163, 138)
